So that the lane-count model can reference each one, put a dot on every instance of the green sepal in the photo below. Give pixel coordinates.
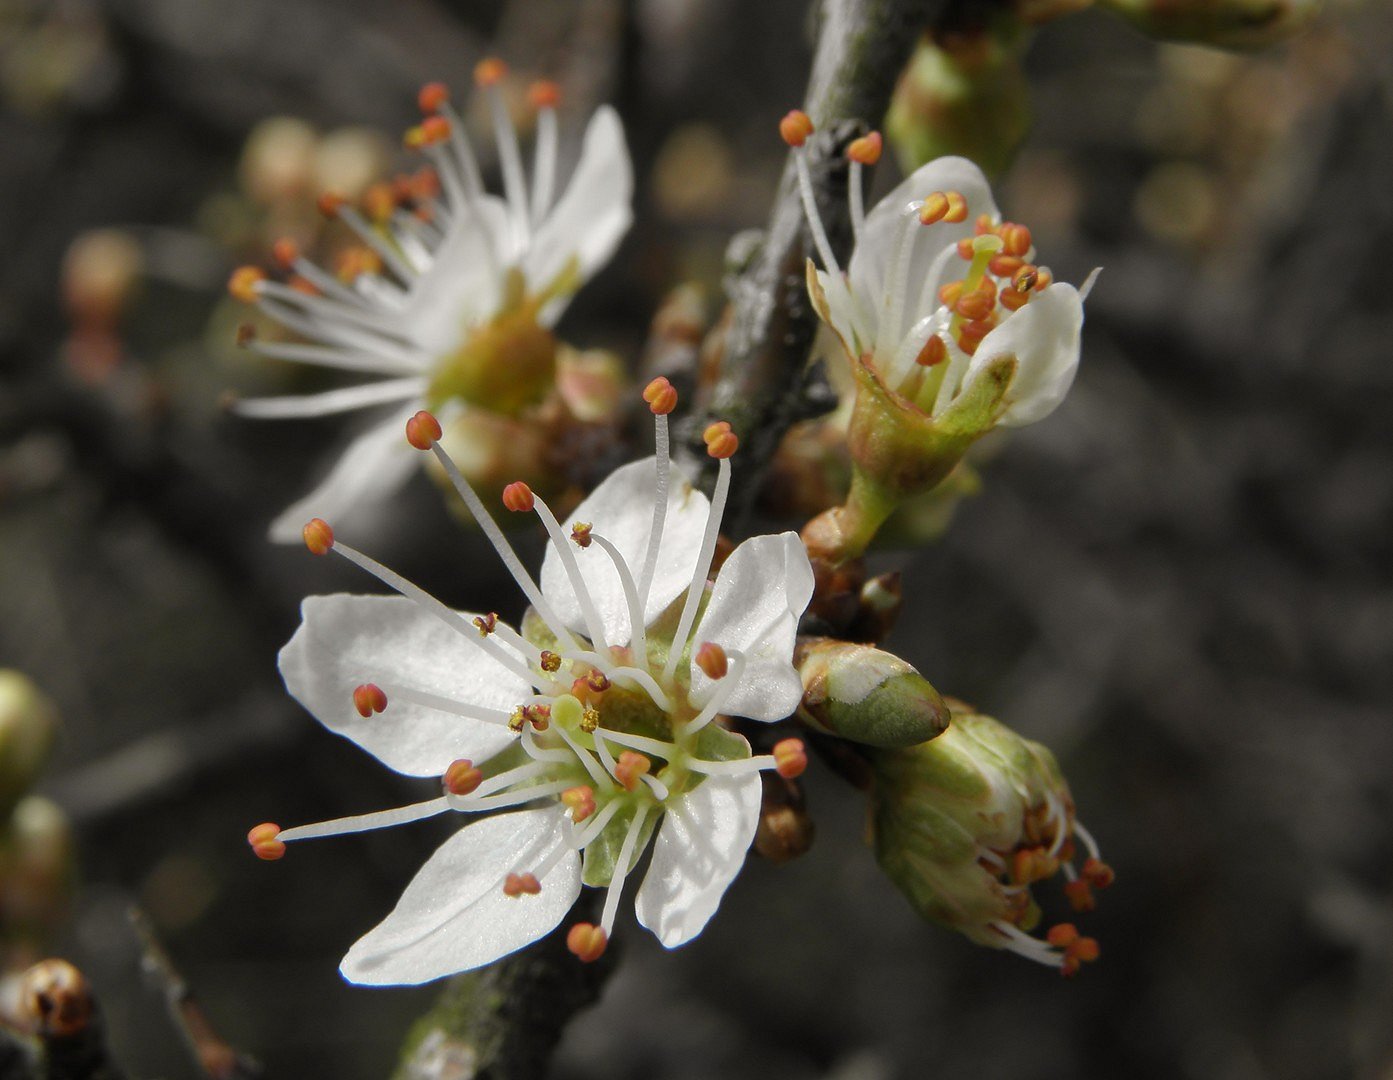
(602, 854)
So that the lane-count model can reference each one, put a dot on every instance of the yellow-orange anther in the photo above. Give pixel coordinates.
(580, 801)
(413, 138)
(56, 999)
(330, 204)
(544, 94)
(957, 207)
(934, 352)
(1029, 865)
(434, 129)
(983, 225)
(661, 396)
(549, 661)
(948, 294)
(461, 777)
(489, 71)
(1062, 935)
(517, 719)
(422, 430)
(369, 699)
(1079, 895)
(721, 442)
(1005, 266)
(352, 261)
(966, 249)
(285, 251)
(432, 96)
(243, 282)
(1012, 300)
(935, 206)
(1086, 949)
(977, 304)
(590, 720)
(486, 624)
(379, 201)
(867, 149)
(580, 533)
(264, 843)
(790, 758)
(630, 766)
(519, 884)
(795, 127)
(587, 942)
(539, 716)
(1025, 278)
(1015, 239)
(970, 335)
(518, 497)
(598, 681)
(711, 658)
(1098, 873)
(319, 537)
(303, 285)
(1043, 278)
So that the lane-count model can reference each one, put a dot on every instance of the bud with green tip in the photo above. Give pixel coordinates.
(866, 695)
(1229, 24)
(28, 727)
(966, 824)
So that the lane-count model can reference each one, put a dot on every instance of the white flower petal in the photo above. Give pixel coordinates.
(344, 641)
(621, 510)
(1044, 337)
(759, 595)
(454, 915)
(593, 213)
(699, 850)
(464, 285)
(871, 260)
(372, 467)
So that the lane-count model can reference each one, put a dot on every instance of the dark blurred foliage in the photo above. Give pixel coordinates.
(1181, 581)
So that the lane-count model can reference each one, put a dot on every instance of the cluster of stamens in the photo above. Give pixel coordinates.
(595, 771)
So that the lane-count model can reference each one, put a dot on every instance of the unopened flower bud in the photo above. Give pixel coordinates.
(866, 695)
(785, 829)
(28, 727)
(965, 824)
(56, 999)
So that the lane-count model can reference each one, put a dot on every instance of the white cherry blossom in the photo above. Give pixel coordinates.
(455, 271)
(590, 730)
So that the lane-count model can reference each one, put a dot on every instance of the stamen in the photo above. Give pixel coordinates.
(656, 747)
(369, 699)
(488, 74)
(462, 777)
(897, 286)
(544, 96)
(432, 96)
(662, 399)
(791, 758)
(719, 696)
(1080, 896)
(330, 402)
(631, 766)
(568, 560)
(244, 283)
(486, 624)
(382, 819)
(370, 236)
(265, 841)
(703, 565)
(508, 778)
(621, 870)
(587, 759)
(1021, 943)
(638, 639)
(1098, 873)
(580, 801)
(586, 942)
(602, 819)
(449, 705)
(518, 797)
(795, 127)
(319, 536)
(711, 659)
(539, 753)
(863, 151)
(423, 430)
(659, 789)
(1088, 841)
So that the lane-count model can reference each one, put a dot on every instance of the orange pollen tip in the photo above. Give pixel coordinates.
(790, 758)
(1012, 300)
(630, 766)
(319, 536)
(461, 777)
(867, 149)
(1043, 278)
(518, 497)
(1062, 935)
(983, 225)
(1086, 949)
(957, 207)
(1098, 873)
(948, 294)
(489, 71)
(432, 96)
(285, 251)
(661, 396)
(486, 624)
(965, 248)
(243, 282)
(544, 94)
(264, 843)
(580, 801)
(1079, 895)
(516, 885)
(330, 204)
(549, 661)
(934, 352)
(795, 127)
(977, 304)
(580, 534)
(413, 138)
(935, 206)
(1015, 239)
(422, 430)
(434, 129)
(711, 658)
(1005, 266)
(539, 716)
(721, 442)
(586, 942)
(303, 285)
(379, 201)
(369, 699)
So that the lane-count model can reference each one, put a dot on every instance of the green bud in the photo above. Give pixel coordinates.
(866, 695)
(965, 824)
(1229, 24)
(965, 95)
(28, 727)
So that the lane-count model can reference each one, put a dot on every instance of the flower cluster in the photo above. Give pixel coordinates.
(450, 301)
(593, 725)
